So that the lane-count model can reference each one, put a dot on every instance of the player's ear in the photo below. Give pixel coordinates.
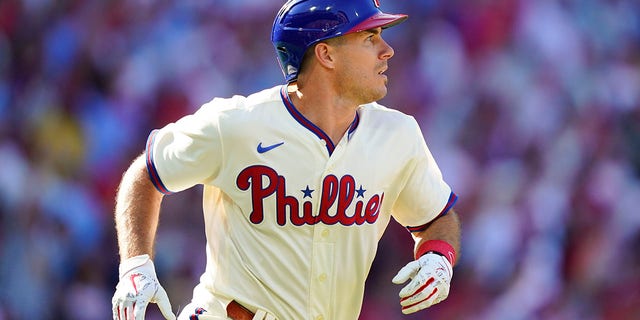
(325, 54)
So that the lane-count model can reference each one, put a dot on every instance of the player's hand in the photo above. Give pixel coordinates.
(430, 279)
(137, 287)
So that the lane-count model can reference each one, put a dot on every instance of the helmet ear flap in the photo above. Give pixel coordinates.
(289, 61)
(283, 54)
(301, 23)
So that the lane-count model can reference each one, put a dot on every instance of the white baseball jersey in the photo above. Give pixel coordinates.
(293, 220)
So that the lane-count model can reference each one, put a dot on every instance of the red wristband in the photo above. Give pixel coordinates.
(437, 246)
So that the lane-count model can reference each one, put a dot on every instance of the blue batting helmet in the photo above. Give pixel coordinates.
(302, 23)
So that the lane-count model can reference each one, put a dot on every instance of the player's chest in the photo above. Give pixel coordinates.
(301, 183)
(300, 161)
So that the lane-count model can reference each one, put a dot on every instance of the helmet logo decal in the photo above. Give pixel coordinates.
(376, 3)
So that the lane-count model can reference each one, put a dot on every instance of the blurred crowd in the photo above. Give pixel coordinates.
(531, 108)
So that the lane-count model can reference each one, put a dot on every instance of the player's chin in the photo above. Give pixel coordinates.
(377, 90)
(374, 95)
(382, 90)
(378, 95)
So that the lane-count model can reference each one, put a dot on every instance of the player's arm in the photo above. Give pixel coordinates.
(446, 229)
(137, 211)
(136, 216)
(436, 250)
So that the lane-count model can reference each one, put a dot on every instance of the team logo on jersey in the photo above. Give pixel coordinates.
(341, 201)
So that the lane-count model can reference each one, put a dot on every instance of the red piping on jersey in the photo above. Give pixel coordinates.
(151, 167)
(310, 125)
(452, 200)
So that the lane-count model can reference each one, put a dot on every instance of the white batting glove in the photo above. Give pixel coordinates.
(430, 279)
(137, 287)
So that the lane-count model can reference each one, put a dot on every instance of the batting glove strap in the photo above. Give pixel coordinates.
(430, 277)
(143, 262)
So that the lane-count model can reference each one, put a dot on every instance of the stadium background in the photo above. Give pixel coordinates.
(531, 108)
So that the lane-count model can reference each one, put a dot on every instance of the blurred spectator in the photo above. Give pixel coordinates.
(531, 107)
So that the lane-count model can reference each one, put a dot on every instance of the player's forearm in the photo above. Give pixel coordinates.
(137, 211)
(446, 228)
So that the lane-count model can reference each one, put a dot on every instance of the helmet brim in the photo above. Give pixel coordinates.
(382, 20)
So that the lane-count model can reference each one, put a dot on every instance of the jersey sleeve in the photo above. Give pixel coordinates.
(425, 195)
(185, 153)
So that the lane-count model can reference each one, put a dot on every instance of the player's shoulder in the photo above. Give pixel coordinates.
(381, 115)
(241, 103)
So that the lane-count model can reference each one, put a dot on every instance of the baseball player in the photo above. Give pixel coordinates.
(300, 182)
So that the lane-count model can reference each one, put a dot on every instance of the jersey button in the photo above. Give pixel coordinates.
(320, 317)
(322, 277)
(325, 233)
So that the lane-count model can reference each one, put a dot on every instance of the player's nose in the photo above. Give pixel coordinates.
(387, 51)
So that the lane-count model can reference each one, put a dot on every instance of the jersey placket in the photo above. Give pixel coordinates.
(322, 282)
(321, 288)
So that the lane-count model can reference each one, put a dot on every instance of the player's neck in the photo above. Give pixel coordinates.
(326, 109)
